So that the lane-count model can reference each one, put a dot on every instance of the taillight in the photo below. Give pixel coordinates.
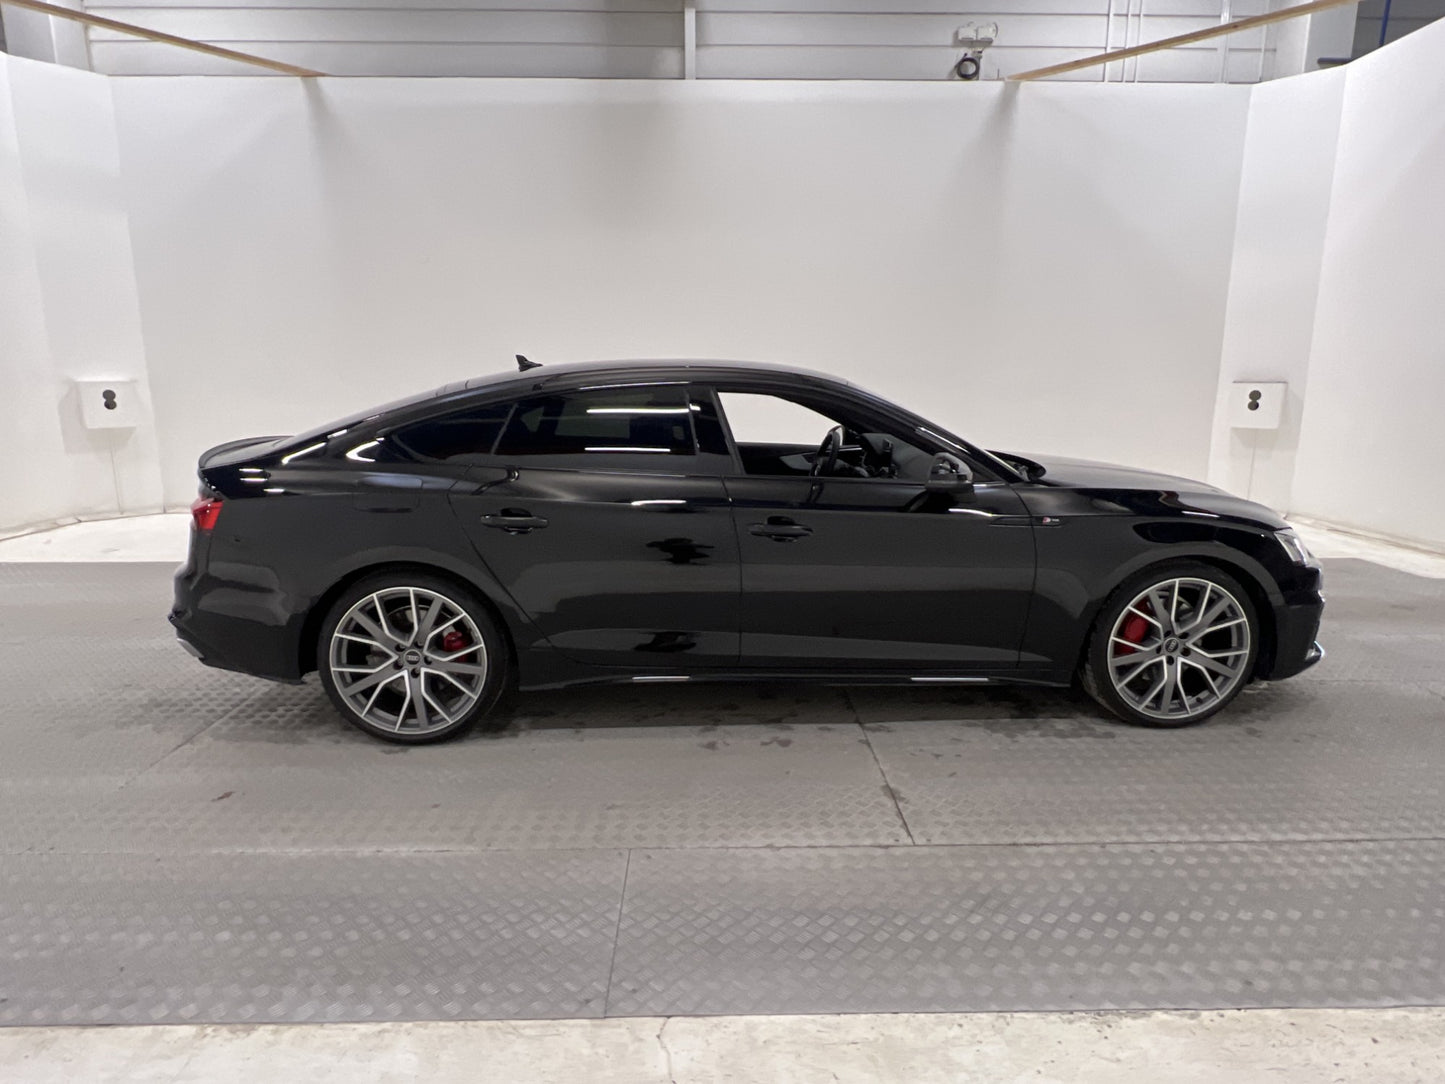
(204, 512)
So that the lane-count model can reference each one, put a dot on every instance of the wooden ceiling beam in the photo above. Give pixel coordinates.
(88, 19)
(1179, 39)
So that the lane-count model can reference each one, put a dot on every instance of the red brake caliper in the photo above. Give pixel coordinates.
(453, 640)
(1133, 631)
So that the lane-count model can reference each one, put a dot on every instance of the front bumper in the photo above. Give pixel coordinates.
(1296, 644)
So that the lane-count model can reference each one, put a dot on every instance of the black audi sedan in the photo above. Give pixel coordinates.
(668, 521)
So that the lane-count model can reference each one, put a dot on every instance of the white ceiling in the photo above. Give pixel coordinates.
(745, 39)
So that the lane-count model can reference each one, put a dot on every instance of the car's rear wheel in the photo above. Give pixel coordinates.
(1172, 646)
(411, 658)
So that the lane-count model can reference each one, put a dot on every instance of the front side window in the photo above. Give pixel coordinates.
(627, 422)
(769, 419)
(779, 436)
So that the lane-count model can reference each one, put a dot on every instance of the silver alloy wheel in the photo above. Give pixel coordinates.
(1179, 648)
(408, 660)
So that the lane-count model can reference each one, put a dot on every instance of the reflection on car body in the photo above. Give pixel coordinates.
(719, 521)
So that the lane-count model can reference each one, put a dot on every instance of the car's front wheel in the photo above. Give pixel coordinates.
(411, 658)
(1172, 646)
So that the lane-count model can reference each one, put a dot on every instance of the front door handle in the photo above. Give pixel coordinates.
(514, 521)
(780, 529)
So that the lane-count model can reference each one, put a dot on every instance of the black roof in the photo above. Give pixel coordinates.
(567, 374)
(575, 374)
(541, 375)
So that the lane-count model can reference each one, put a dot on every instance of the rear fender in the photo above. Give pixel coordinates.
(523, 635)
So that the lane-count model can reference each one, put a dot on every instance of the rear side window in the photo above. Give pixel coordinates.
(456, 436)
(623, 422)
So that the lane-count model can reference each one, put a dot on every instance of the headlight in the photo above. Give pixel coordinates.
(1293, 545)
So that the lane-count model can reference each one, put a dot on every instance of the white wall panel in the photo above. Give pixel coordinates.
(29, 430)
(1372, 447)
(68, 306)
(1041, 266)
(1284, 205)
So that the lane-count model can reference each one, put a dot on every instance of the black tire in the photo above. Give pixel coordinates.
(482, 648)
(1106, 657)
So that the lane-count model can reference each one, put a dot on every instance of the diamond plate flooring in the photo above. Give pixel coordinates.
(181, 844)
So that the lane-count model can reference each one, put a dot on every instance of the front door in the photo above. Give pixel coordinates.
(863, 566)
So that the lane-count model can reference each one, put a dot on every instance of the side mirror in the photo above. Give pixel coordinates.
(949, 474)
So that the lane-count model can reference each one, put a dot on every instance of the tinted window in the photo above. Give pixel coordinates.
(711, 440)
(611, 421)
(451, 436)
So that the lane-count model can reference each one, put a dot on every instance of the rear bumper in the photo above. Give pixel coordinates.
(235, 648)
(1296, 647)
(234, 626)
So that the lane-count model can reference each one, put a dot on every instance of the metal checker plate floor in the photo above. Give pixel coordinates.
(185, 845)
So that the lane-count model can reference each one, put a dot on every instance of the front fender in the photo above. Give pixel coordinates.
(1085, 559)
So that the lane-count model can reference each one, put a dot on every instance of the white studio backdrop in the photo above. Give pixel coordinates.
(68, 307)
(1339, 271)
(1372, 447)
(1284, 205)
(1069, 268)
(1043, 268)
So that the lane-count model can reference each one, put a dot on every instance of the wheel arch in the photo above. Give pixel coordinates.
(316, 613)
(1263, 609)
(1237, 565)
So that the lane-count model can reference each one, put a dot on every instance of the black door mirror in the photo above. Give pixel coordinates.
(949, 474)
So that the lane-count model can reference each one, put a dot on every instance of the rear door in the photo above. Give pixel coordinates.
(598, 514)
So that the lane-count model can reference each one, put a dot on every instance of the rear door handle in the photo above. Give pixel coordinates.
(780, 529)
(514, 521)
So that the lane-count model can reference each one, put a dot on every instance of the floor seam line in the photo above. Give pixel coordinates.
(176, 749)
(893, 794)
(100, 802)
(34, 848)
(438, 852)
(616, 934)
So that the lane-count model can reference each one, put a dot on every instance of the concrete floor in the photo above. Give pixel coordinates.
(1284, 1046)
(183, 846)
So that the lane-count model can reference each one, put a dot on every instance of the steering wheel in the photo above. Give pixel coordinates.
(827, 456)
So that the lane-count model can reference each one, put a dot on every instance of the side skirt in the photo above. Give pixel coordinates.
(804, 677)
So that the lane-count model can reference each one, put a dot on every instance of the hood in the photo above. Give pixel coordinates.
(1109, 480)
(1060, 470)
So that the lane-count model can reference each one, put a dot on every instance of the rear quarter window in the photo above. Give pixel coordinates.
(628, 422)
(460, 435)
